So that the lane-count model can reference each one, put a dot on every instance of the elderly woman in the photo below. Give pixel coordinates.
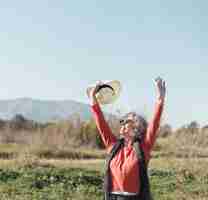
(126, 174)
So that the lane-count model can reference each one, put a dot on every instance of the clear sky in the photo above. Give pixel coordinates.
(55, 49)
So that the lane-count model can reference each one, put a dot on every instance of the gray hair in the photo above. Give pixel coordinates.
(139, 121)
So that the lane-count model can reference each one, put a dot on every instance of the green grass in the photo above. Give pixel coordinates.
(50, 183)
(55, 183)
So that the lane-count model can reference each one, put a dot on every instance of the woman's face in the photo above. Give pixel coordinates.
(127, 128)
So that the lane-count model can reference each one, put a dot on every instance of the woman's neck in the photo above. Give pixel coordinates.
(128, 141)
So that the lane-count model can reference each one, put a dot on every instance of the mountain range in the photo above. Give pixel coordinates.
(43, 110)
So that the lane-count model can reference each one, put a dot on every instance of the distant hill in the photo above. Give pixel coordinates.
(43, 110)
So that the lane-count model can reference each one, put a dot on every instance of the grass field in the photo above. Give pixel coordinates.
(82, 179)
(177, 170)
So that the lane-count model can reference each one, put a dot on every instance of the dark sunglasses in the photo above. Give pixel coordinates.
(125, 121)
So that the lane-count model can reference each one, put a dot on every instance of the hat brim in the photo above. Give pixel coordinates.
(106, 95)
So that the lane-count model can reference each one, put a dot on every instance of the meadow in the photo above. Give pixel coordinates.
(61, 161)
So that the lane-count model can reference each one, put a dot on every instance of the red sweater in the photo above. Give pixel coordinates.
(124, 166)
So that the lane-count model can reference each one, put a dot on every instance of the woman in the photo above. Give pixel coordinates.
(125, 169)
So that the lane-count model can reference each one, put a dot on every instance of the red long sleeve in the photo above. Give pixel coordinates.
(152, 128)
(106, 134)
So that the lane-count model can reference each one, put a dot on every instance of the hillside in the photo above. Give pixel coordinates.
(43, 110)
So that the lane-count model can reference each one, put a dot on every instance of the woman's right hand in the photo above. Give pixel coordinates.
(93, 97)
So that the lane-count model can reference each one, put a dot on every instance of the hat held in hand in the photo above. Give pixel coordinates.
(107, 92)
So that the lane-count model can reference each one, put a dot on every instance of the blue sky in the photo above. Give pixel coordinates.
(55, 49)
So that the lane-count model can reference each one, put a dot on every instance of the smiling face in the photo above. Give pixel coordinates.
(132, 125)
(127, 129)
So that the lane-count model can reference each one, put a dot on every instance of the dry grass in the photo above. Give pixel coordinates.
(67, 140)
(195, 165)
(183, 143)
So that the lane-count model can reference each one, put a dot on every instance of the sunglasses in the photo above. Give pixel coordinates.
(125, 121)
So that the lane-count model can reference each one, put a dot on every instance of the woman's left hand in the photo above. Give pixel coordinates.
(161, 88)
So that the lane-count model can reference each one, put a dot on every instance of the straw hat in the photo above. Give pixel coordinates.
(108, 91)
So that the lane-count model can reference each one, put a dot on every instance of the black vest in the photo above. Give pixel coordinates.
(145, 193)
